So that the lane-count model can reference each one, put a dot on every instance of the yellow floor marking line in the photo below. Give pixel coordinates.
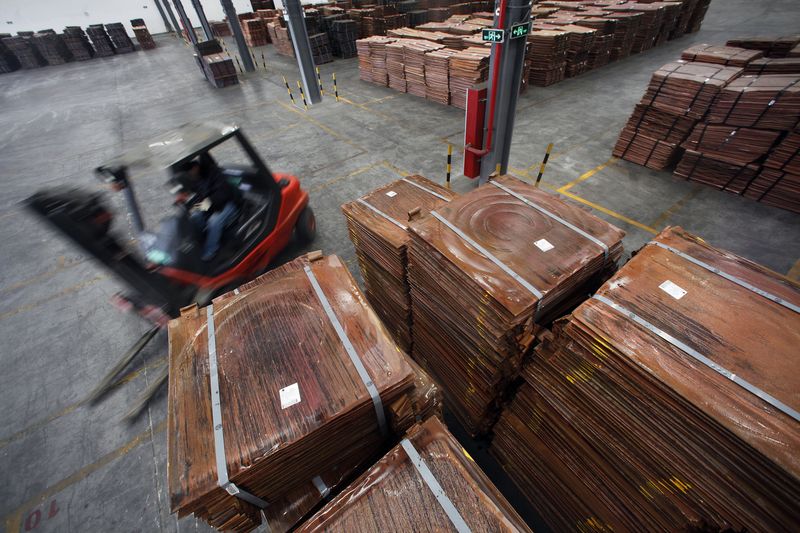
(356, 172)
(586, 175)
(363, 107)
(61, 265)
(677, 206)
(609, 212)
(395, 169)
(321, 126)
(161, 361)
(64, 292)
(13, 520)
(794, 272)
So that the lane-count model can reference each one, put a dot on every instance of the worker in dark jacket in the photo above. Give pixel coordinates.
(216, 201)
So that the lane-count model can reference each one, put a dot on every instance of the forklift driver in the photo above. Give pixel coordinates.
(214, 201)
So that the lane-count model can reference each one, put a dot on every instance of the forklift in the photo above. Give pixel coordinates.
(163, 270)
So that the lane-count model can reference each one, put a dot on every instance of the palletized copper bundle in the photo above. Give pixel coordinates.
(773, 65)
(100, 40)
(418, 17)
(486, 271)
(685, 17)
(439, 14)
(377, 57)
(25, 52)
(289, 385)
(255, 34)
(220, 28)
(437, 76)
(655, 408)
(672, 12)
(8, 61)
(364, 60)
(722, 55)
(142, 34)
(394, 65)
(344, 33)
(767, 102)
(778, 184)
(119, 38)
(77, 43)
(51, 47)
(627, 26)
(320, 48)
(467, 68)
(580, 40)
(432, 480)
(771, 46)
(377, 224)
(414, 54)
(650, 24)
(547, 50)
(281, 38)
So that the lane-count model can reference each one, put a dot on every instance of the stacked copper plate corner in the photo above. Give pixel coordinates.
(669, 401)
(580, 40)
(437, 75)
(468, 68)
(306, 386)
(627, 26)
(774, 65)
(394, 65)
(377, 225)
(426, 483)
(721, 55)
(766, 102)
(377, 57)
(364, 61)
(725, 157)
(778, 184)
(647, 32)
(485, 271)
(680, 91)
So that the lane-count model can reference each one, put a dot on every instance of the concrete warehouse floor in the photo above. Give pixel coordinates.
(68, 466)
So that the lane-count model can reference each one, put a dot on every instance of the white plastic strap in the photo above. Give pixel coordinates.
(216, 417)
(486, 253)
(437, 490)
(729, 277)
(777, 404)
(351, 351)
(323, 489)
(381, 214)
(427, 190)
(555, 217)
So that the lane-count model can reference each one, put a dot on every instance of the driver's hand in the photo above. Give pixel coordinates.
(181, 197)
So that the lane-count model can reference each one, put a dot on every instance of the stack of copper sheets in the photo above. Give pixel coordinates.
(774, 65)
(78, 43)
(672, 12)
(394, 65)
(547, 51)
(580, 40)
(778, 184)
(656, 407)
(52, 48)
(468, 68)
(100, 40)
(143, 36)
(377, 57)
(767, 102)
(414, 53)
(627, 26)
(485, 271)
(650, 24)
(426, 483)
(771, 46)
(684, 19)
(280, 37)
(377, 226)
(437, 75)
(680, 93)
(279, 391)
(364, 60)
(26, 54)
(721, 55)
(119, 38)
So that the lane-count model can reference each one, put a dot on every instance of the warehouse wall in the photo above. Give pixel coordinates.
(33, 15)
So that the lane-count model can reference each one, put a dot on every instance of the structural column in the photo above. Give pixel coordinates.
(201, 14)
(236, 28)
(295, 19)
(505, 75)
(187, 24)
(163, 16)
(176, 27)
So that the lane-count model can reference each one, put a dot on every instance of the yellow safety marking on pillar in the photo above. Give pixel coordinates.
(467, 455)
(586, 175)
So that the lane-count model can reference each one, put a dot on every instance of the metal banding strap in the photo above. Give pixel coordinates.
(427, 190)
(323, 489)
(777, 404)
(533, 290)
(555, 217)
(216, 417)
(381, 213)
(729, 277)
(351, 351)
(430, 480)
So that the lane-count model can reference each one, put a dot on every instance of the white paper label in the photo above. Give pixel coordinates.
(290, 395)
(544, 245)
(672, 289)
(391, 194)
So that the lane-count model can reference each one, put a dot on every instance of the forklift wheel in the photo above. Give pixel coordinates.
(306, 227)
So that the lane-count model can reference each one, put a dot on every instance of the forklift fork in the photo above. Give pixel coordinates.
(108, 381)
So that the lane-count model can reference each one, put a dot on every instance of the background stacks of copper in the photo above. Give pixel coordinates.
(142, 34)
(467, 68)
(51, 47)
(778, 183)
(100, 40)
(119, 38)
(381, 246)
(547, 51)
(473, 323)
(274, 450)
(217, 67)
(8, 61)
(220, 28)
(617, 424)
(437, 75)
(255, 34)
(25, 52)
(78, 43)
(279, 35)
(374, 501)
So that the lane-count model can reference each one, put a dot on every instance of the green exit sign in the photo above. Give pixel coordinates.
(520, 30)
(492, 35)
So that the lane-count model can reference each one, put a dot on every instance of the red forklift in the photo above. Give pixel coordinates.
(163, 270)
